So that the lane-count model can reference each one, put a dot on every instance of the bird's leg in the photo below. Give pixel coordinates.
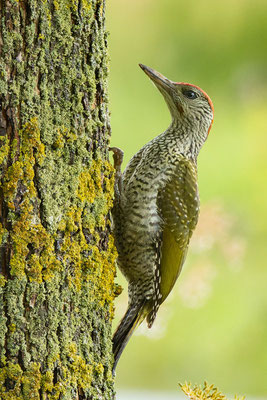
(118, 159)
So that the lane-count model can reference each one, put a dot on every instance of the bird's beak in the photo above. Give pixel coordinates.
(162, 83)
(167, 89)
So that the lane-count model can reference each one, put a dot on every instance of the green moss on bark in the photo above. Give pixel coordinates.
(57, 251)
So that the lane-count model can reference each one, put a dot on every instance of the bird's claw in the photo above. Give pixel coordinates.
(117, 157)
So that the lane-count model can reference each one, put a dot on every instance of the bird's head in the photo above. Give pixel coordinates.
(189, 105)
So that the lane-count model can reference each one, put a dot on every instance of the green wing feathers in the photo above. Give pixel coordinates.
(172, 260)
(178, 206)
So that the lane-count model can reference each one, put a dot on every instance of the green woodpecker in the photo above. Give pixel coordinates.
(156, 204)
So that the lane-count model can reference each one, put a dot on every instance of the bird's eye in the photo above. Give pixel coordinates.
(190, 94)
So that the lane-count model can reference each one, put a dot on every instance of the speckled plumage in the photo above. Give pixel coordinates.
(156, 206)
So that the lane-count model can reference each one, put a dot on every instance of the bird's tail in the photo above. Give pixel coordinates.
(132, 319)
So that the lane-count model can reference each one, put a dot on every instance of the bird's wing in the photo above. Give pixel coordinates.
(178, 205)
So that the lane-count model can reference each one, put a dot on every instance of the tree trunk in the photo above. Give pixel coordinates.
(57, 252)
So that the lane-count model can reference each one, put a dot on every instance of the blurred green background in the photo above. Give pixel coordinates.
(214, 324)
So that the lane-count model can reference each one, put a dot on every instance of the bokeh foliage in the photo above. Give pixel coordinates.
(214, 327)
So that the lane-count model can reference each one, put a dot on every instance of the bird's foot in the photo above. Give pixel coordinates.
(117, 157)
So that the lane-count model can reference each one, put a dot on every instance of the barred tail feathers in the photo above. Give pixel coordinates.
(132, 319)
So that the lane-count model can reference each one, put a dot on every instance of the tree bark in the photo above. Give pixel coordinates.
(57, 253)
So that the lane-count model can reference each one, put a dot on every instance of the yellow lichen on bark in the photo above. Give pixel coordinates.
(4, 148)
(27, 229)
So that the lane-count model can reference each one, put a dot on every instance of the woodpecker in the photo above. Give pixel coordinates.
(156, 204)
